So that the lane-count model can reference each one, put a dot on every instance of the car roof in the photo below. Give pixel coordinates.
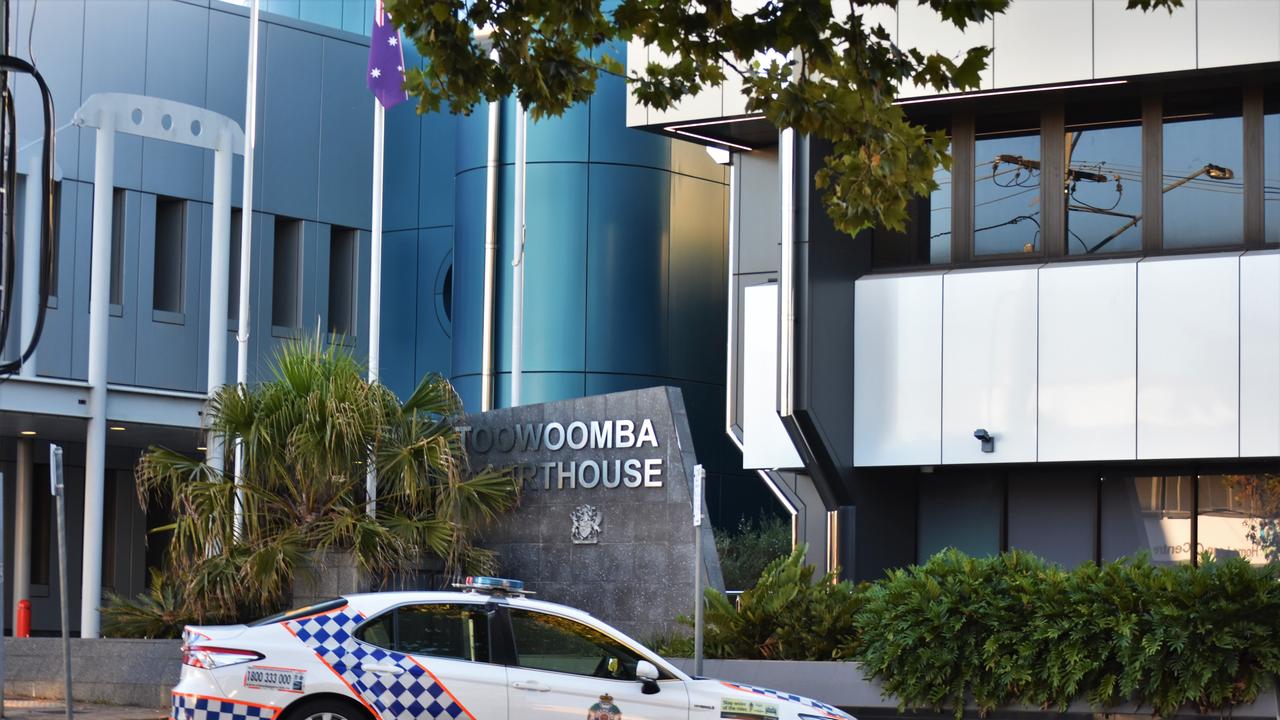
(376, 601)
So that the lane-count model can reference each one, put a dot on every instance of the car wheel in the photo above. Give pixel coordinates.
(327, 708)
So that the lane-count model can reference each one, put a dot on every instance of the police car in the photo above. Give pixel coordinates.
(488, 652)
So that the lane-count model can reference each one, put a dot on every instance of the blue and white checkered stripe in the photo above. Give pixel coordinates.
(829, 709)
(185, 706)
(414, 694)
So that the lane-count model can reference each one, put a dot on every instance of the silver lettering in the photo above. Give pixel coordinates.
(582, 474)
(546, 474)
(653, 472)
(580, 429)
(482, 445)
(647, 434)
(602, 434)
(633, 478)
(529, 436)
(546, 436)
(605, 479)
(562, 474)
(624, 433)
(510, 443)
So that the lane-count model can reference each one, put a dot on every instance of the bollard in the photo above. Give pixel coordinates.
(23, 627)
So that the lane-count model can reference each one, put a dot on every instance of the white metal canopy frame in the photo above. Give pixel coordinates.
(175, 122)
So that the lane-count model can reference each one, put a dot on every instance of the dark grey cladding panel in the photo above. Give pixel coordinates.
(632, 563)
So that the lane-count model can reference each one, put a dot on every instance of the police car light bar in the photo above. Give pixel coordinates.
(493, 585)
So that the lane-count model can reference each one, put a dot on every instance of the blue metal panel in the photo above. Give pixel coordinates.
(288, 8)
(540, 387)
(556, 267)
(60, 62)
(436, 167)
(169, 354)
(314, 310)
(115, 52)
(225, 73)
(261, 345)
(473, 136)
(346, 136)
(73, 296)
(627, 264)
(611, 140)
(290, 130)
(322, 12)
(468, 389)
(435, 259)
(177, 37)
(353, 16)
(560, 139)
(696, 298)
(400, 306)
(468, 274)
(400, 202)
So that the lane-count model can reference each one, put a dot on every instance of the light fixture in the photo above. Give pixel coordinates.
(1217, 172)
(27, 433)
(117, 428)
(987, 439)
(1014, 91)
(201, 448)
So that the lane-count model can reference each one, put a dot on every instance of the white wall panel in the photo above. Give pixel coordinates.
(1237, 32)
(1088, 353)
(1132, 42)
(989, 364)
(637, 58)
(920, 27)
(1043, 42)
(1260, 354)
(1188, 357)
(897, 370)
(765, 442)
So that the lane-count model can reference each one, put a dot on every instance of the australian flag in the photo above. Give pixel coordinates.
(386, 60)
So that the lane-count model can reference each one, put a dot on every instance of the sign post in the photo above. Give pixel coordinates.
(699, 474)
(55, 489)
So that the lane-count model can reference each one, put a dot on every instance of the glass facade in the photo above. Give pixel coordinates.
(1103, 187)
(1006, 193)
(1203, 174)
(1271, 168)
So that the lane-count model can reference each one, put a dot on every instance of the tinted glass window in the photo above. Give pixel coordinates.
(1006, 193)
(1103, 187)
(549, 642)
(452, 631)
(1203, 173)
(438, 630)
(1271, 166)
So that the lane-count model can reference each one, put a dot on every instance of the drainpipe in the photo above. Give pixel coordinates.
(96, 438)
(490, 254)
(22, 529)
(219, 264)
(30, 264)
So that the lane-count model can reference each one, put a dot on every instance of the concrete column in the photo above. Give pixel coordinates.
(219, 264)
(22, 529)
(96, 438)
(30, 264)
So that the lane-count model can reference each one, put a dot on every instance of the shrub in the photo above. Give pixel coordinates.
(748, 549)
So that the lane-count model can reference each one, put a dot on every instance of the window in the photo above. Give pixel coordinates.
(550, 642)
(1239, 516)
(927, 239)
(286, 274)
(441, 630)
(1271, 166)
(342, 281)
(1203, 171)
(1103, 184)
(1006, 193)
(117, 247)
(233, 267)
(170, 255)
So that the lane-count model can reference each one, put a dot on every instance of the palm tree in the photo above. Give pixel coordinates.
(307, 434)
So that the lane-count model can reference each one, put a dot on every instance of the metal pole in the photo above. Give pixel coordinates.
(219, 270)
(490, 253)
(55, 487)
(517, 264)
(375, 286)
(96, 438)
(246, 248)
(699, 473)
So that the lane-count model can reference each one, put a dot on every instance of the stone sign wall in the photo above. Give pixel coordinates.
(605, 521)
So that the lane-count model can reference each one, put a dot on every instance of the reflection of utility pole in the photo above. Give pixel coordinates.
(1213, 172)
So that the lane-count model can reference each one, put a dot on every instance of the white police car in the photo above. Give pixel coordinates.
(487, 653)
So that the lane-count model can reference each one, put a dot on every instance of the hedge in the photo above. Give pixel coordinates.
(1014, 629)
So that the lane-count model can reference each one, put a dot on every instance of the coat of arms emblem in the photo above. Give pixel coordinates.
(585, 527)
(605, 709)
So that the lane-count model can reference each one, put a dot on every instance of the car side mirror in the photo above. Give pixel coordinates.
(647, 674)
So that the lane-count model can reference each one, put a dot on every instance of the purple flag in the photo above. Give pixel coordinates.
(386, 60)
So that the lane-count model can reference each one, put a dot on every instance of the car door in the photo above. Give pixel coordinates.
(566, 670)
(439, 667)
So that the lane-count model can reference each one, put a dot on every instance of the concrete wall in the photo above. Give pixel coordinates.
(113, 672)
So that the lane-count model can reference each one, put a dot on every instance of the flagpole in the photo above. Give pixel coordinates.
(375, 283)
(517, 279)
(246, 249)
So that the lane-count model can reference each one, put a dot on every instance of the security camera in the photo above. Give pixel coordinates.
(987, 439)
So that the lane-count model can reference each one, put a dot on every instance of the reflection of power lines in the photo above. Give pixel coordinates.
(1211, 171)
